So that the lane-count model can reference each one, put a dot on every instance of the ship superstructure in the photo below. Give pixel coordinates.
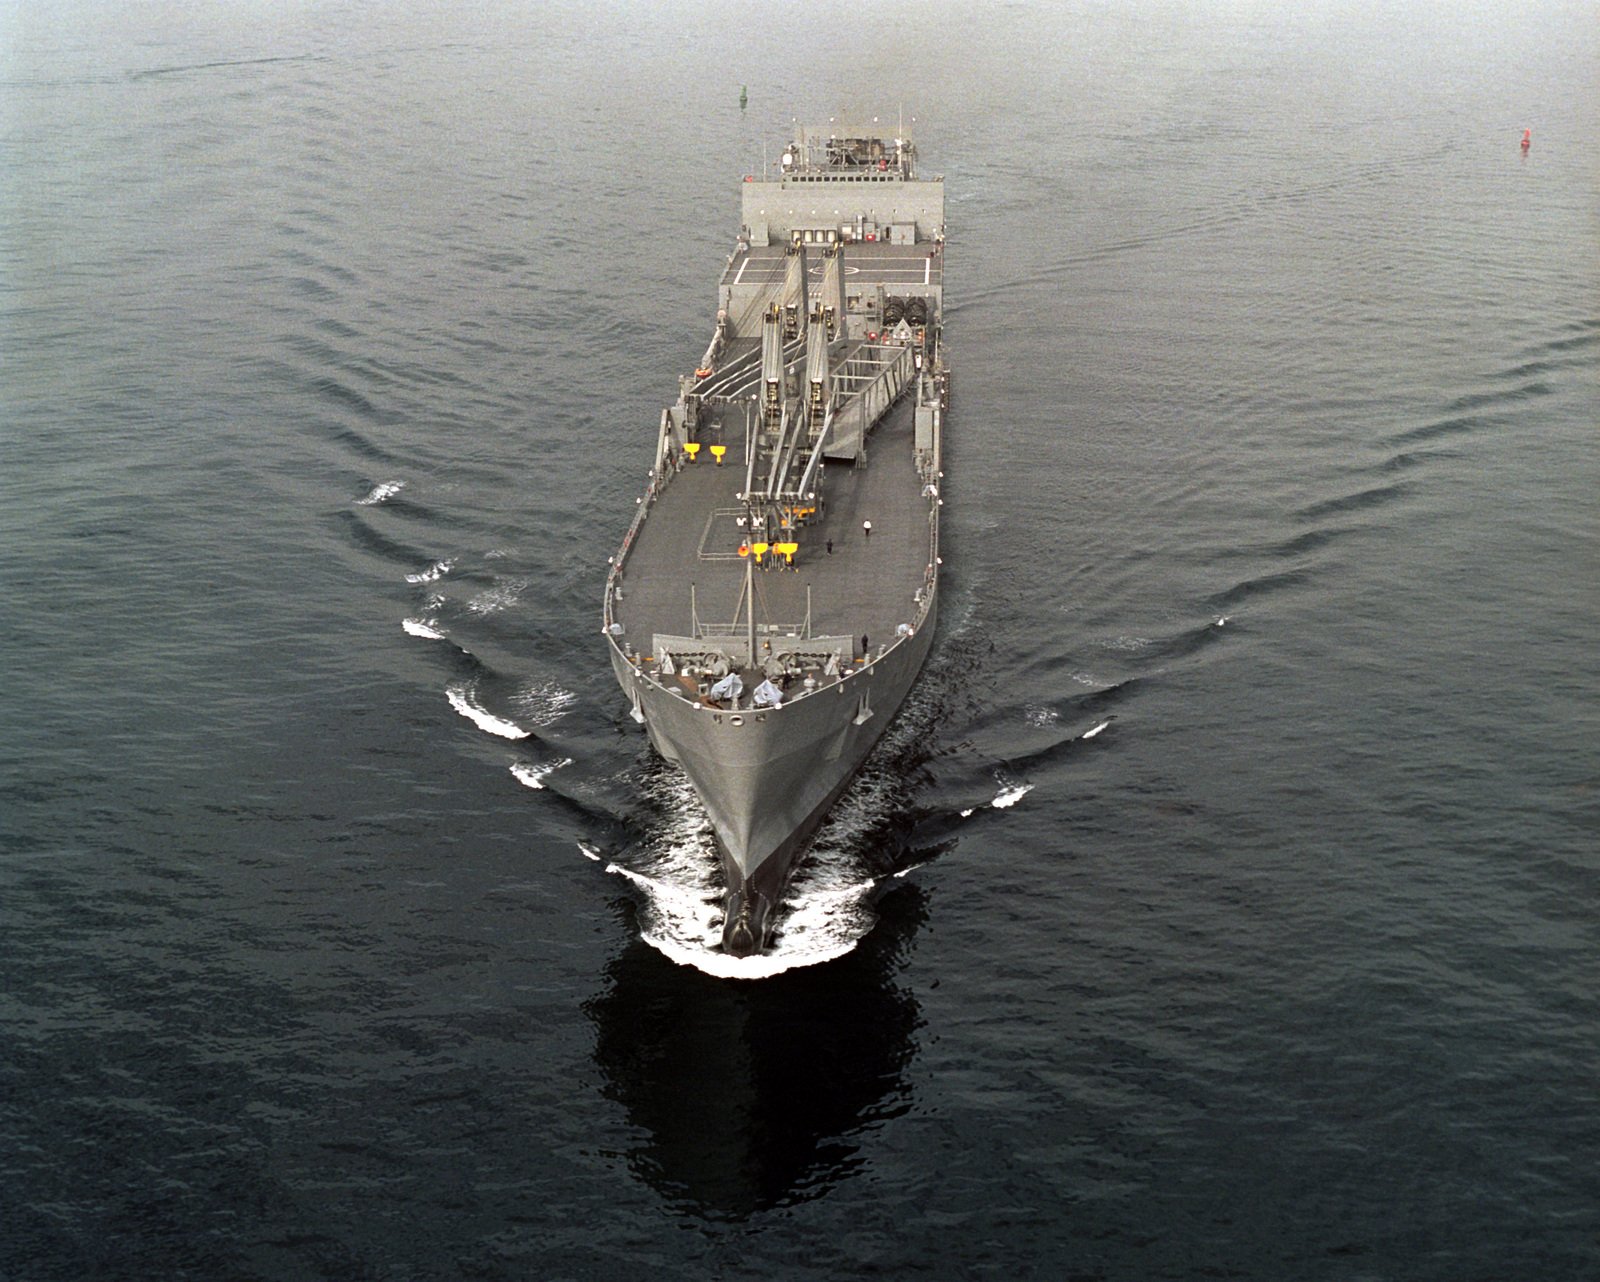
(775, 596)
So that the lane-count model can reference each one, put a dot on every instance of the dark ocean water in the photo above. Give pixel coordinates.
(332, 341)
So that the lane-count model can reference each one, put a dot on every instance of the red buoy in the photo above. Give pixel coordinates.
(1527, 139)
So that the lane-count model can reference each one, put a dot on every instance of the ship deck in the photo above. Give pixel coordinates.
(902, 265)
(865, 586)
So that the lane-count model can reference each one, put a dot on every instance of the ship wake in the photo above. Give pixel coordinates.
(677, 877)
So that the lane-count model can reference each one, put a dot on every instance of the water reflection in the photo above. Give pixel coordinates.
(751, 1095)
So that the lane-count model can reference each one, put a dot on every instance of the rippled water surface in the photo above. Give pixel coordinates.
(1224, 902)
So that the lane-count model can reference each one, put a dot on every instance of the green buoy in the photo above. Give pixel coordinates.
(744, 97)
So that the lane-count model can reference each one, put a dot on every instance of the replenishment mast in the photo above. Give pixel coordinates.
(775, 596)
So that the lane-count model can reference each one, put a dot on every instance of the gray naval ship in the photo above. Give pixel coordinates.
(775, 596)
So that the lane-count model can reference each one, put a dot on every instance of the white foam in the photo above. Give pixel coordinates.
(968, 812)
(435, 571)
(422, 628)
(497, 598)
(387, 490)
(1090, 734)
(689, 900)
(1038, 715)
(824, 915)
(816, 923)
(1011, 796)
(543, 702)
(1223, 620)
(534, 776)
(761, 966)
(464, 699)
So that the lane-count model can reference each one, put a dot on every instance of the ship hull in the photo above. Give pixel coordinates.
(767, 778)
(792, 514)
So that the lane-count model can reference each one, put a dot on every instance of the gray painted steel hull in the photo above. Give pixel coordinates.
(768, 778)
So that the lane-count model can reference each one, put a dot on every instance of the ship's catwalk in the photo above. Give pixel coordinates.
(775, 596)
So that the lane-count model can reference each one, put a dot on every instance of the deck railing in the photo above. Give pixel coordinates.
(656, 484)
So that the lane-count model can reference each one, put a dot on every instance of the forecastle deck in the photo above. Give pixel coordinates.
(683, 572)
